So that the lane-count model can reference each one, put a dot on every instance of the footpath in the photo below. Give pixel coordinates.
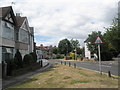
(19, 79)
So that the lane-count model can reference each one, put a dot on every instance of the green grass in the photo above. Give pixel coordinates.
(63, 76)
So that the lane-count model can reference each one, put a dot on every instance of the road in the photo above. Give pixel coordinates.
(106, 66)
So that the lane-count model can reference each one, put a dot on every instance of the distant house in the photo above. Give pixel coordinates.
(15, 33)
(7, 33)
(44, 51)
(88, 54)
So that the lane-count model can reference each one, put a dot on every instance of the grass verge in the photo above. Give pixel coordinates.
(63, 76)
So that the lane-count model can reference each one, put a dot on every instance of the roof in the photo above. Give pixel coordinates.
(5, 10)
(20, 20)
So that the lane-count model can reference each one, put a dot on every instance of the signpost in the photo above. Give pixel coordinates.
(99, 41)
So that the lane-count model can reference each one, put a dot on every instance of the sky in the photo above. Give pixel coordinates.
(54, 20)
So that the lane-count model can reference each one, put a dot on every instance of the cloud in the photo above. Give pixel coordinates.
(54, 20)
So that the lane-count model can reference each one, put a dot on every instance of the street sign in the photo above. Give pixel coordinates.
(98, 40)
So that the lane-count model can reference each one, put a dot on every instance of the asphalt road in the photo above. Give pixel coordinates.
(106, 66)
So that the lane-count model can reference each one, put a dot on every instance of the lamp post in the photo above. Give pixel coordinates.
(75, 54)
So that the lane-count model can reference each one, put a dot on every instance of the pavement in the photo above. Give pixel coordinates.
(19, 79)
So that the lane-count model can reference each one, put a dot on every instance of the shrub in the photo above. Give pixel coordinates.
(58, 56)
(72, 55)
(33, 54)
(28, 59)
(18, 59)
(10, 66)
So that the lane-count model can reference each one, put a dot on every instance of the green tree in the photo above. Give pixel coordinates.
(18, 59)
(105, 53)
(33, 54)
(112, 37)
(75, 44)
(64, 46)
(90, 41)
(54, 50)
(28, 59)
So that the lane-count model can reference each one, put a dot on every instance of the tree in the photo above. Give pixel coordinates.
(90, 41)
(64, 46)
(54, 50)
(105, 53)
(28, 59)
(33, 54)
(18, 59)
(112, 37)
(75, 44)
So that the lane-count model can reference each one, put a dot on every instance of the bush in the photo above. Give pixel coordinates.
(58, 56)
(18, 59)
(10, 66)
(28, 59)
(72, 55)
(33, 54)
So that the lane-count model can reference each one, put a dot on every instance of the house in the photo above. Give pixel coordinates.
(88, 54)
(44, 51)
(7, 33)
(15, 33)
(25, 35)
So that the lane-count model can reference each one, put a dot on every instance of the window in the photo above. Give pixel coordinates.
(8, 31)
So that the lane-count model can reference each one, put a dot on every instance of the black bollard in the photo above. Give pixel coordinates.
(74, 65)
(69, 64)
(41, 63)
(65, 63)
(109, 74)
(61, 62)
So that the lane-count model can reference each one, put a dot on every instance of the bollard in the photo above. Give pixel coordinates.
(65, 63)
(41, 63)
(74, 65)
(109, 74)
(69, 64)
(61, 62)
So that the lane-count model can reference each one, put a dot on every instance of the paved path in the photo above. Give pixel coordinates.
(15, 80)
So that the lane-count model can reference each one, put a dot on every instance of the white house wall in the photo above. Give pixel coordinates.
(87, 52)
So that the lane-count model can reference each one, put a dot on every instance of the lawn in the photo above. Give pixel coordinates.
(63, 76)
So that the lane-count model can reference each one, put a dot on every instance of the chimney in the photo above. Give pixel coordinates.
(17, 14)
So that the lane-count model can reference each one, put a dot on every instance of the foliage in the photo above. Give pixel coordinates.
(79, 50)
(64, 46)
(112, 37)
(18, 59)
(33, 54)
(72, 55)
(10, 66)
(28, 59)
(54, 50)
(75, 44)
(58, 56)
(90, 41)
